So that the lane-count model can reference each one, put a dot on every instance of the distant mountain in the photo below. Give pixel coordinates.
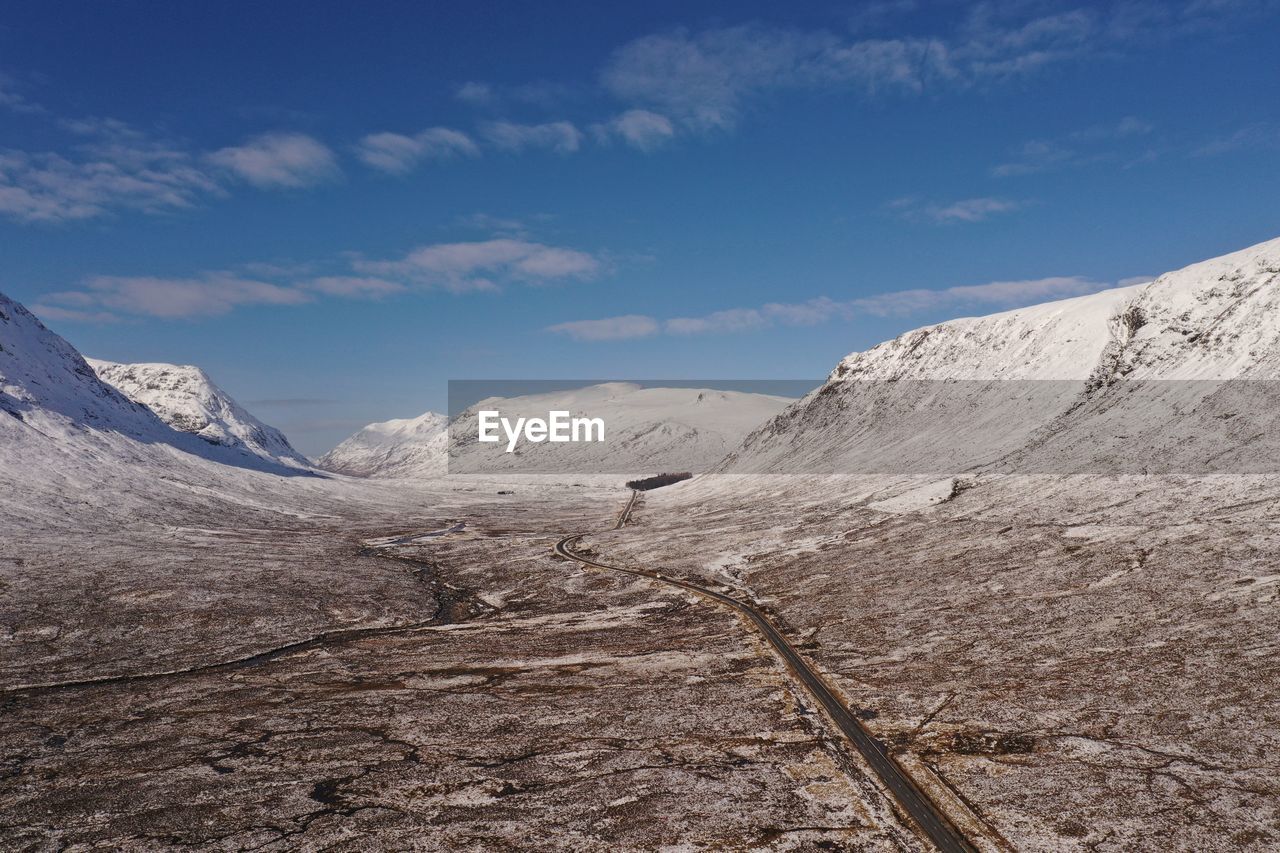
(187, 399)
(1135, 379)
(411, 448)
(649, 430)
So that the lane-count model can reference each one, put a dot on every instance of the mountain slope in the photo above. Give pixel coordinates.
(75, 451)
(188, 400)
(405, 448)
(1152, 375)
(44, 382)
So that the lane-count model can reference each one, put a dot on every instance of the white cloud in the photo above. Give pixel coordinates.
(212, 294)
(706, 79)
(1094, 144)
(275, 160)
(991, 294)
(730, 320)
(626, 327)
(52, 188)
(994, 294)
(808, 313)
(485, 265)
(54, 313)
(475, 93)
(399, 154)
(640, 129)
(966, 210)
(561, 137)
(114, 166)
(455, 267)
(702, 78)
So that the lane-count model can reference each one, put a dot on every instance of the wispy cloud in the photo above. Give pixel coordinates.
(994, 294)
(279, 160)
(55, 313)
(901, 303)
(706, 79)
(626, 327)
(807, 313)
(353, 286)
(485, 265)
(49, 187)
(13, 100)
(640, 129)
(966, 210)
(461, 267)
(398, 154)
(475, 93)
(539, 93)
(455, 267)
(211, 294)
(1253, 136)
(561, 137)
(1094, 144)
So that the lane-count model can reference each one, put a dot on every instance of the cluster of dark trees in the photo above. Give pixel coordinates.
(646, 483)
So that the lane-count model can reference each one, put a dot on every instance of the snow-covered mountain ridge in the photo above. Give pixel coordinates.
(1153, 368)
(74, 450)
(184, 397)
(412, 448)
(648, 430)
(43, 378)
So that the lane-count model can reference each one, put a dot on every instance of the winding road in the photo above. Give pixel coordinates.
(926, 815)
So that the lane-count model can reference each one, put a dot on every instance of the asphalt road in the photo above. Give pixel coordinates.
(929, 819)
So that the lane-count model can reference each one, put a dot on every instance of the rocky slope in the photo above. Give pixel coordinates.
(188, 400)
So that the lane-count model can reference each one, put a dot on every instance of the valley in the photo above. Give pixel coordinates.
(1001, 583)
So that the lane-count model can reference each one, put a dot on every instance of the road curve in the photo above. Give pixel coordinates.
(930, 820)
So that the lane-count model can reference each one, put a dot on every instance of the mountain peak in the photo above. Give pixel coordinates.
(188, 400)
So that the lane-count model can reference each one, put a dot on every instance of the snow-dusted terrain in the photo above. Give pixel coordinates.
(1042, 557)
(1175, 374)
(647, 430)
(405, 448)
(187, 399)
(74, 451)
(1047, 583)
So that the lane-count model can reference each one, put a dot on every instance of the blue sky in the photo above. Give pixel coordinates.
(335, 208)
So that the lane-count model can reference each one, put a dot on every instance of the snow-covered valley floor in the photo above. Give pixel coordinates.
(1089, 662)
(246, 682)
(1069, 672)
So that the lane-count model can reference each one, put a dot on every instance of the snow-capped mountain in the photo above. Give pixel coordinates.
(73, 449)
(405, 448)
(648, 430)
(1140, 378)
(188, 400)
(44, 382)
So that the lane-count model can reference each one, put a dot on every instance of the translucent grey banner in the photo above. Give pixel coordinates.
(858, 426)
